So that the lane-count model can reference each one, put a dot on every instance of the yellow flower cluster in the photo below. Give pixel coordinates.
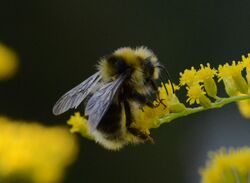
(30, 152)
(8, 62)
(200, 85)
(231, 166)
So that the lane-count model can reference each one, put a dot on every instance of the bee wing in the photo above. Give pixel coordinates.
(75, 96)
(99, 103)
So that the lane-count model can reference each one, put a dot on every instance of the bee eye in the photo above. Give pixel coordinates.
(117, 64)
(149, 68)
(120, 66)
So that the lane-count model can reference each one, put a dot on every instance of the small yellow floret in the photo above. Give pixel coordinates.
(205, 72)
(224, 71)
(195, 92)
(206, 75)
(227, 167)
(8, 62)
(188, 77)
(80, 125)
(170, 99)
(232, 78)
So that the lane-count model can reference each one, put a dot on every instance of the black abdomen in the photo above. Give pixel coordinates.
(111, 121)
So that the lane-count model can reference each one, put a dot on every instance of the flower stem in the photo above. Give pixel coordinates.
(217, 104)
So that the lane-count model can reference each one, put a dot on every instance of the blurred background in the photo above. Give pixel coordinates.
(59, 42)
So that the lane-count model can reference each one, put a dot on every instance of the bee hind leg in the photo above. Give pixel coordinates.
(142, 135)
(136, 132)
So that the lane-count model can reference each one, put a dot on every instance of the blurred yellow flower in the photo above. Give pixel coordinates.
(8, 62)
(231, 166)
(244, 106)
(34, 152)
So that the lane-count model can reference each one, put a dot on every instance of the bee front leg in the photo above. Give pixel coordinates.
(160, 102)
(142, 100)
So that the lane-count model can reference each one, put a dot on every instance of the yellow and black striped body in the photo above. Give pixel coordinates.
(114, 129)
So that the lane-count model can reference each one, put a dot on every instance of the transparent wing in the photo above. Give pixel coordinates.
(75, 96)
(99, 103)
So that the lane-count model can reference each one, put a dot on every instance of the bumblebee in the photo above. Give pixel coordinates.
(124, 77)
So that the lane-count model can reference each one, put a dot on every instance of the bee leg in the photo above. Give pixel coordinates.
(141, 99)
(132, 130)
(141, 134)
(160, 101)
(141, 108)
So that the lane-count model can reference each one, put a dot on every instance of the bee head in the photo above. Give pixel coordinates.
(141, 63)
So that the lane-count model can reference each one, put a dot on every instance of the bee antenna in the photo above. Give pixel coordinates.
(163, 84)
(167, 74)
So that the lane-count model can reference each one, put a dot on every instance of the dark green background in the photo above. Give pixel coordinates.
(60, 41)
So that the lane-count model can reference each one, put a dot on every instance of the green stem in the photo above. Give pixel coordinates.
(217, 104)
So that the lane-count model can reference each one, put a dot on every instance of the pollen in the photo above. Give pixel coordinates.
(188, 77)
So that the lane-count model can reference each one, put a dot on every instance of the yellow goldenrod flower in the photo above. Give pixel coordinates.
(232, 78)
(170, 99)
(197, 95)
(8, 62)
(206, 75)
(246, 63)
(34, 152)
(231, 166)
(146, 119)
(188, 77)
(80, 125)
